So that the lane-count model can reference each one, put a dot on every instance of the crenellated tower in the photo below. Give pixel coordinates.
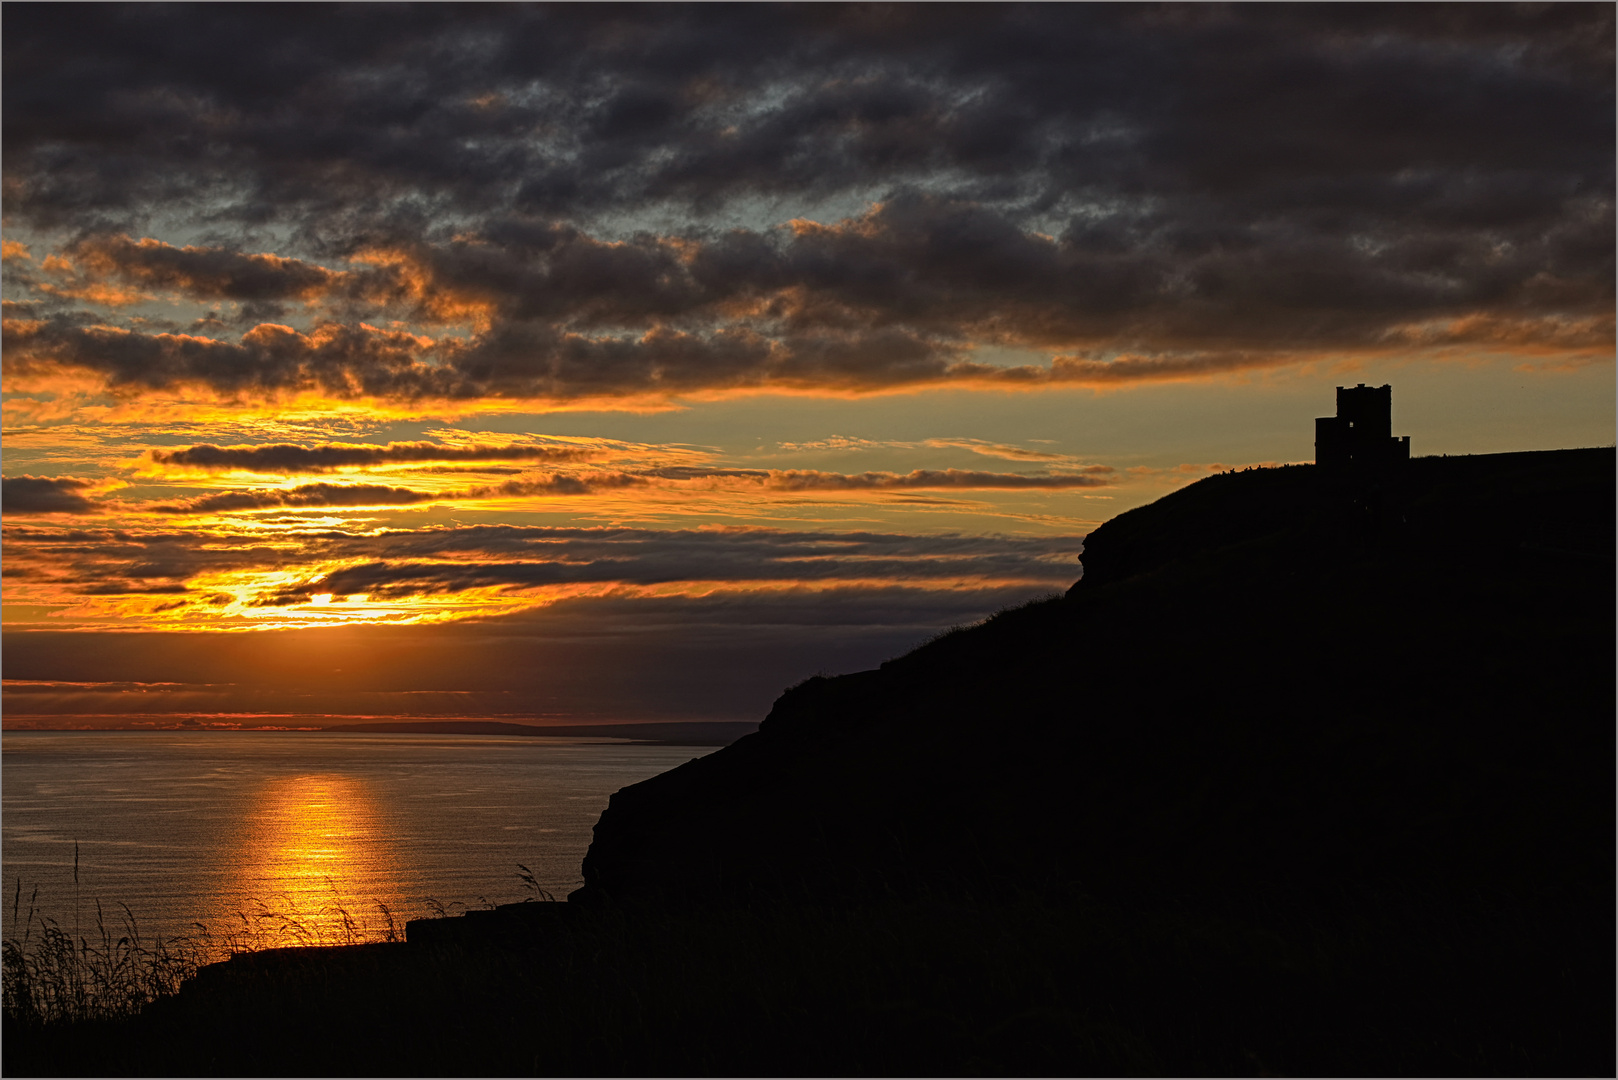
(1361, 434)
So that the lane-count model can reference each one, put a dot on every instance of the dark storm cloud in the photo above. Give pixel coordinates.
(213, 273)
(1198, 189)
(565, 108)
(287, 458)
(22, 495)
(514, 360)
(339, 360)
(885, 300)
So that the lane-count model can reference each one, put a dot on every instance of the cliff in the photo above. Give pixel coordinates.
(1278, 683)
(1308, 776)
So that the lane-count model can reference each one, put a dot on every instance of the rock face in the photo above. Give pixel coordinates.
(1270, 683)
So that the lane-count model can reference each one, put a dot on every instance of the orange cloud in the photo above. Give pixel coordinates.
(1535, 335)
(433, 300)
(96, 293)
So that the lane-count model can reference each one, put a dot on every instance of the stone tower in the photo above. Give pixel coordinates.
(1361, 434)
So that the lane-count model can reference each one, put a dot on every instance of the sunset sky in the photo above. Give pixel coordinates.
(596, 363)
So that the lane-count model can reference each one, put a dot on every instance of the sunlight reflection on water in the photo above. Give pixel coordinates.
(317, 860)
(269, 838)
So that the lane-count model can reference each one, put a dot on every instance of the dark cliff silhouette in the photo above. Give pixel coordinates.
(1292, 684)
(1311, 774)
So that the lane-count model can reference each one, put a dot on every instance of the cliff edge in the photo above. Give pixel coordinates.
(1274, 683)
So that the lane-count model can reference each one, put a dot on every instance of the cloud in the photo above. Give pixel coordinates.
(815, 480)
(892, 299)
(558, 484)
(725, 654)
(555, 112)
(634, 557)
(338, 360)
(42, 495)
(441, 560)
(25, 686)
(204, 272)
(57, 697)
(1001, 450)
(810, 201)
(1139, 369)
(287, 458)
(28, 495)
(845, 442)
(976, 446)
(343, 496)
(304, 495)
(121, 561)
(371, 212)
(1090, 476)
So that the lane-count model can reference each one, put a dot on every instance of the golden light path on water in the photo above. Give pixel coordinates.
(264, 839)
(318, 864)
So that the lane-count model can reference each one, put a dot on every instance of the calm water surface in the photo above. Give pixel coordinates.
(280, 833)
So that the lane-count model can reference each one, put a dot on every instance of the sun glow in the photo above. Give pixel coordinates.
(316, 853)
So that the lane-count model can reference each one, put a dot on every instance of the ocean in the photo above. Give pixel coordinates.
(257, 839)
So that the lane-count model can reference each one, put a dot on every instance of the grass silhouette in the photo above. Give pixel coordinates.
(951, 982)
(52, 976)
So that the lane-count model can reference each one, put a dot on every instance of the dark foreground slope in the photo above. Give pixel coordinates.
(1305, 778)
(1272, 684)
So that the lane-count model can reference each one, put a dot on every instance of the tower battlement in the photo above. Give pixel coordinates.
(1361, 434)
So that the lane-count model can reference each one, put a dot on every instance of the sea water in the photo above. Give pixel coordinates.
(280, 838)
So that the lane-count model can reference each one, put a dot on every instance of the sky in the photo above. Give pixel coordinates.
(592, 363)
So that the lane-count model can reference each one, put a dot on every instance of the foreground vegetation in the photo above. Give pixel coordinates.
(940, 984)
(52, 975)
